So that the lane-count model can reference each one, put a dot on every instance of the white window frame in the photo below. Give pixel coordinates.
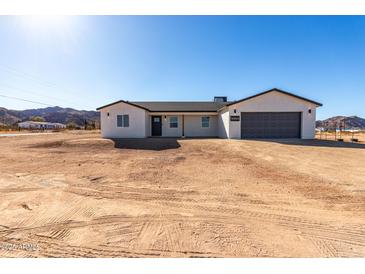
(122, 122)
(177, 121)
(202, 122)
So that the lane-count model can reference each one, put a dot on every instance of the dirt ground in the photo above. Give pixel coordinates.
(76, 195)
(346, 136)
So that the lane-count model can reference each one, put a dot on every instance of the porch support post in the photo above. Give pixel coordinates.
(183, 126)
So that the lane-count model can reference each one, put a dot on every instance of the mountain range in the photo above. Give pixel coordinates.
(49, 114)
(342, 121)
(78, 117)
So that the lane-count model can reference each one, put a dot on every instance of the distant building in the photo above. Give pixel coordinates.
(40, 125)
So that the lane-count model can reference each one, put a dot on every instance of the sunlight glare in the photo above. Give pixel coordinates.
(47, 22)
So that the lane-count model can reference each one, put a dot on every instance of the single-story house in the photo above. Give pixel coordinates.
(270, 114)
(40, 125)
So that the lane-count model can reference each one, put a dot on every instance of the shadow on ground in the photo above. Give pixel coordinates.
(314, 143)
(157, 144)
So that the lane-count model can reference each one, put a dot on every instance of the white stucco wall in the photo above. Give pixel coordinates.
(193, 126)
(223, 123)
(137, 121)
(171, 132)
(275, 102)
(148, 125)
(220, 125)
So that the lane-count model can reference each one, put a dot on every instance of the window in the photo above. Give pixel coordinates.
(119, 120)
(205, 121)
(123, 120)
(173, 122)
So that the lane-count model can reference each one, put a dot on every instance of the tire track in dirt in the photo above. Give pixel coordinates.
(168, 233)
(57, 248)
(312, 228)
(310, 186)
(130, 193)
(353, 235)
(147, 234)
(305, 227)
(228, 211)
(191, 213)
(14, 190)
(324, 248)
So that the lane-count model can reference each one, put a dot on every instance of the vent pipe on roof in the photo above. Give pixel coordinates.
(220, 98)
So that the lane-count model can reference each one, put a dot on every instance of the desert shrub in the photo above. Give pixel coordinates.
(72, 125)
(37, 119)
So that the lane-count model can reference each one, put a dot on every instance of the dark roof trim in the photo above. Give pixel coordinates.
(213, 111)
(180, 111)
(122, 101)
(270, 90)
(138, 106)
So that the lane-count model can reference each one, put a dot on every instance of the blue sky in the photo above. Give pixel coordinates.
(88, 61)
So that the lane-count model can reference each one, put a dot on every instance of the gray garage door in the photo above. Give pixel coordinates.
(270, 124)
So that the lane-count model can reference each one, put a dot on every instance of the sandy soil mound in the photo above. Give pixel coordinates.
(74, 143)
(92, 142)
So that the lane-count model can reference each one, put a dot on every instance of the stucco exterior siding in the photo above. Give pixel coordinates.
(220, 124)
(223, 123)
(137, 121)
(171, 132)
(193, 126)
(309, 123)
(148, 125)
(275, 102)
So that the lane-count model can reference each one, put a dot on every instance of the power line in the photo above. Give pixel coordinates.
(35, 79)
(35, 93)
(26, 75)
(25, 100)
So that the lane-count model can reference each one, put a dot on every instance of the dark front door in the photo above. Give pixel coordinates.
(270, 125)
(156, 125)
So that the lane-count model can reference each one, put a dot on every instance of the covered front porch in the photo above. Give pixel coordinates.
(182, 124)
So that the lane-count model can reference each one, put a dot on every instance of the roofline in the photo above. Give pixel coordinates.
(270, 90)
(138, 106)
(200, 113)
(226, 105)
(159, 111)
(122, 101)
(212, 111)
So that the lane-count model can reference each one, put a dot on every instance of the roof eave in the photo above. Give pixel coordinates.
(168, 111)
(270, 90)
(122, 101)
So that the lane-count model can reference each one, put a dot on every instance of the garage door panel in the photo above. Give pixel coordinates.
(270, 124)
